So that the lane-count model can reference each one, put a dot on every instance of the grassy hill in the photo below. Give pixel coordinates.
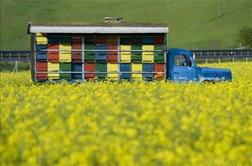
(192, 23)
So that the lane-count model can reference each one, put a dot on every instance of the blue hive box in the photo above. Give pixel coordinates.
(41, 56)
(148, 68)
(101, 55)
(41, 47)
(125, 67)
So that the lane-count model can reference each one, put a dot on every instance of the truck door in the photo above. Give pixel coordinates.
(182, 69)
(180, 65)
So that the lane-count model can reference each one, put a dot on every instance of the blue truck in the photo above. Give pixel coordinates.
(112, 51)
(182, 67)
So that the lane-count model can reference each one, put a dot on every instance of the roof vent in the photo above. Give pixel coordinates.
(113, 19)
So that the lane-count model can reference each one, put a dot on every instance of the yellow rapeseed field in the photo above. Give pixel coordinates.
(139, 123)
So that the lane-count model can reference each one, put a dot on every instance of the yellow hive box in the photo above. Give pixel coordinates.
(137, 76)
(125, 54)
(125, 47)
(53, 76)
(53, 66)
(41, 40)
(136, 67)
(65, 57)
(113, 76)
(112, 69)
(66, 47)
(148, 47)
(136, 71)
(126, 57)
(147, 57)
(40, 35)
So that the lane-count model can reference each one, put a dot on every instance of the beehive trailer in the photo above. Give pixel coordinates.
(112, 51)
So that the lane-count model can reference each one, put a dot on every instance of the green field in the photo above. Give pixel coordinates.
(192, 23)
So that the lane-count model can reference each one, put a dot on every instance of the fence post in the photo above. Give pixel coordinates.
(219, 60)
(15, 69)
(233, 59)
(206, 61)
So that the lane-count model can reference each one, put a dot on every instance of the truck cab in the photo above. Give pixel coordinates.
(181, 67)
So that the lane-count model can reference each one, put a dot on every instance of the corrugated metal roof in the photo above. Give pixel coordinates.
(99, 28)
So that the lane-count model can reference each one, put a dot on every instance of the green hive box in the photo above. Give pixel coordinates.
(89, 53)
(101, 67)
(65, 67)
(136, 54)
(159, 54)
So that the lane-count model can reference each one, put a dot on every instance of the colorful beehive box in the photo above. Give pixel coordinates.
(125, 69)
(41, 56)
(53, 71)
(76, 71)
(137, 71)
(76, 49)
(41, 66)
(53, 52)
(41, 38)
(134, 59)
(159, 69)
(41, 47)
(65, 53)
(86, 53)
(101, 70)
(41, 76)
(148, 40)
(101, 53)
(113, 71)
(41, 69)
(147, 53)
(147, 71)
(159, 54)
(112, 53)
(89, 69)
(125, 53)
(65, 69)
(159, 40)
(90, 52)
(136, 53)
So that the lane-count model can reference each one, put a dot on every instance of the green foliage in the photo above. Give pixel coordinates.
(9, 66)
(246, 36)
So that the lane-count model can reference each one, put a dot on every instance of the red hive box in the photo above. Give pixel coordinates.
(76, 49)
(53, 52)
(41, 66)
(89, 67)
(159, 40)
(41, 76)
(76, 56)
(112, 53)
(159, 67)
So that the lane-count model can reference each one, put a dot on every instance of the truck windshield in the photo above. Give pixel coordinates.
(181, 60)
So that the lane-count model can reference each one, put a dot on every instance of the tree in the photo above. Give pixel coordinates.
(245, 36)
